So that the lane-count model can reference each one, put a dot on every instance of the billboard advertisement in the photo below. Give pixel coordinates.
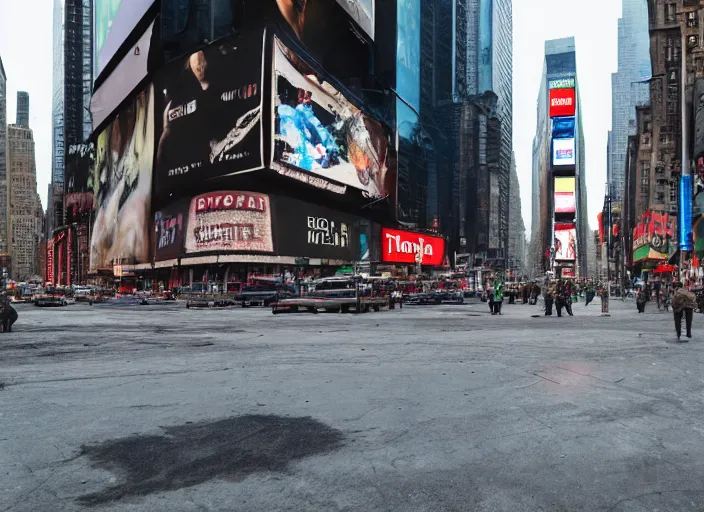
(564, 195)
(322, 139)
(562, 102)
(565, 242)
(563, 152)
(361, 11)
(408, 51)
(563, 128)
(653, 235)
(407, 247)
(113, 21)
(128, 74)
(79, 161)
(312, 231)
(210, 103)
(169, 230)
(229, 221)
(122, 184)
(561, 83)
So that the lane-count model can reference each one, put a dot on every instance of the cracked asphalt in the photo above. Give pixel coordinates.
(151, 408)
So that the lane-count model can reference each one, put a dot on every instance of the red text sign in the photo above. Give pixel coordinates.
(562, 102)
(406, 247)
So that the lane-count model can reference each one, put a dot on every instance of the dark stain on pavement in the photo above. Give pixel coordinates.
(194, 453)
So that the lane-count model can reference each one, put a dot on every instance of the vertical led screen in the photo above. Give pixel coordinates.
(78, 182)
(320, 138)
(685, 213)
(408, 51)
(210, 104)
(565, 242)
(485, 46)
(169, 230)
(122, 185)
(229, 221)
(563, 152)
(563, 102)
(113, 21)
(564, 195)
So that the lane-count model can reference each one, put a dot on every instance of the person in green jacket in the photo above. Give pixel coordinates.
(498, 296)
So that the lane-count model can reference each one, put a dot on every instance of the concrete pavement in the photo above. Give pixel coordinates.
(150, 408)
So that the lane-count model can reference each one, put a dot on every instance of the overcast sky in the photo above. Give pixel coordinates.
(25, 48)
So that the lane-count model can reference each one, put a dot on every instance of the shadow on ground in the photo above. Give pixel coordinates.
(192, 454)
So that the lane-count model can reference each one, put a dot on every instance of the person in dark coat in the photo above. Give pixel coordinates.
(8, 314)
(683, 304)
(640, 301)
(549, 297)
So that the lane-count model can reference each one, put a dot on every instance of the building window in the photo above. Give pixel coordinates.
(692, 20)
(670, 12)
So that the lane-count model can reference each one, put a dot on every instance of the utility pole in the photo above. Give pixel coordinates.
(685, 198)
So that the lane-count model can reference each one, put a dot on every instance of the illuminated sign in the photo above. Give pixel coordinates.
(407, 247)
(563, 152)
(563, 102)
(563, 128)
(564, 195)
(561, 83)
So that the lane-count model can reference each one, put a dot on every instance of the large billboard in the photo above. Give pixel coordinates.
(653, 235)
(312, 231)
(128, 74)
(169, 230)
(113, 21)
(563, 152)
(563, 128)
(320, 138)
(565, 242)
(122, 184)
(210, 103)
(564, 195)
(78, 182)
(229, 221)
(408, 247)
(562, 102)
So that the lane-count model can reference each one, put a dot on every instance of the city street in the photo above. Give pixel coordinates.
(151, 408)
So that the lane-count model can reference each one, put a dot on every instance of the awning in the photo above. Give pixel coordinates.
(665, 269)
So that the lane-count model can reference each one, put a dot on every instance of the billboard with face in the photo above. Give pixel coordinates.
(562, 103)
(564, 195)
(563, 152)
(113, 21)
(210, 104)
(320, 138)
(565, 242)
(122, 185)
(229, 221)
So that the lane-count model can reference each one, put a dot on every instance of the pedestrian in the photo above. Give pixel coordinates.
(498, 296)
(548, 301)
(683, 304)
(640, 301)
(559, 301)
(8, 315)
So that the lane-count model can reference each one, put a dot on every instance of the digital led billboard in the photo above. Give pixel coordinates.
(122, 185)
(127, 75)
(565, 242)
(562, 102)
(321, 138)
(563, 152)
(408, 51)
(229, 221)
(169, 230)
(564, 195)
(408, 247)
(113, 21)
(561, 83)
(563, 128)
(210, 103)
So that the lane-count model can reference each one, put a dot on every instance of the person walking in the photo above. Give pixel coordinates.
(640, 301)
(8, 314)
(559, 300)
(548, 301)
(683, 304)
(498, 296)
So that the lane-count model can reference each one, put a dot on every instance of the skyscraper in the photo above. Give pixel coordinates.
(3, 160)
(23, 109)
(629, 87)
(25, 222)
(560, 231)
(57, 102)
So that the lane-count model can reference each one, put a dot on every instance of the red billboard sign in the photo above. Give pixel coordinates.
(407, 247)
(562, 102)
